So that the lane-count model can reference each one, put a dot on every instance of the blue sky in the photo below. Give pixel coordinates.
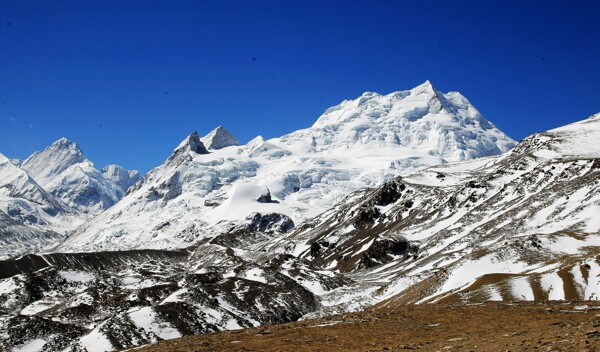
(128, 80)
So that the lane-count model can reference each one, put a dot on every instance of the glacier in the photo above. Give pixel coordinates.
(199, 192)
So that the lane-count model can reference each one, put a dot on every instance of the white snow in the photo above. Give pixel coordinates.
(76, 276)
(39, 306)
(63, 171)
(256, 274)
(96, 341)
(521, 289)
(473, 269)
(7, 286)
(494, 293)
(359, 143)
(147, 319)
(31, 346)
(552, 284)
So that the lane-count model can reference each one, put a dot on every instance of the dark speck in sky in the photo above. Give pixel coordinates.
(253, 59)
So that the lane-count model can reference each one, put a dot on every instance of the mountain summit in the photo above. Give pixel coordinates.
(420, 119)
(359, 143)
(219, 138)
(63, 171)
(45, 165)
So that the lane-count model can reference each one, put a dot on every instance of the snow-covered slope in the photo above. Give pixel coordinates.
(28, 214)
(46, 165)
(63, 171)
(51, 193)
(23, 199)
(17, 238)
(121, 176)
(422, 120)
(523, 225)
(358, 143)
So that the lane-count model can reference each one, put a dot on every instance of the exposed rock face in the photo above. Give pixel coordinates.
(384, 250)
(219, 138)
(266, 197)
(191, 144)
(196, 145)
(269, 223)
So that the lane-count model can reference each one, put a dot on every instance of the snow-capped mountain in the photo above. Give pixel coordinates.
(46, 165)
(359, 143)
(121, 176)
(519, 226)
(423, 121)
(51, 193)
(63, 171)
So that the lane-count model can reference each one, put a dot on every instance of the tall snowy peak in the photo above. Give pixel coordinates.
(45, 165)
(360, 143)
(500, 228)
(63, 171)
(421, 119)
(121, 176)
(219, 138)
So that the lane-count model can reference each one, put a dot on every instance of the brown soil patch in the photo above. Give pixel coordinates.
(523, 326)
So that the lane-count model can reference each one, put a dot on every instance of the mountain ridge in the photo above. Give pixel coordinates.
(361, 143)
(520, 226)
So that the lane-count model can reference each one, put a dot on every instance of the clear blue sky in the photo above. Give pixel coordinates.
(128, 80)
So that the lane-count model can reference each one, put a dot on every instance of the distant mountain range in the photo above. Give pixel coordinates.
(410, 197)
(212, 183)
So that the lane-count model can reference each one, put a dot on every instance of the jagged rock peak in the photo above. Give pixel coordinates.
(219, 138)
(192, 143)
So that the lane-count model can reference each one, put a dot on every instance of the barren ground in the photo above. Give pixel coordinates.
(522, 326)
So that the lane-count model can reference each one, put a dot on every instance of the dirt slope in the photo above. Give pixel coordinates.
(556, 326)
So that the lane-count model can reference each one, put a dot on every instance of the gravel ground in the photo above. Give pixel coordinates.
(519, 326)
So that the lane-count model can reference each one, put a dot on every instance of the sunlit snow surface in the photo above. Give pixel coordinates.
(51, 193)
(359, 143)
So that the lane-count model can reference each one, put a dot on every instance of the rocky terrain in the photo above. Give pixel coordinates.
(313, 224)
(519, 326)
